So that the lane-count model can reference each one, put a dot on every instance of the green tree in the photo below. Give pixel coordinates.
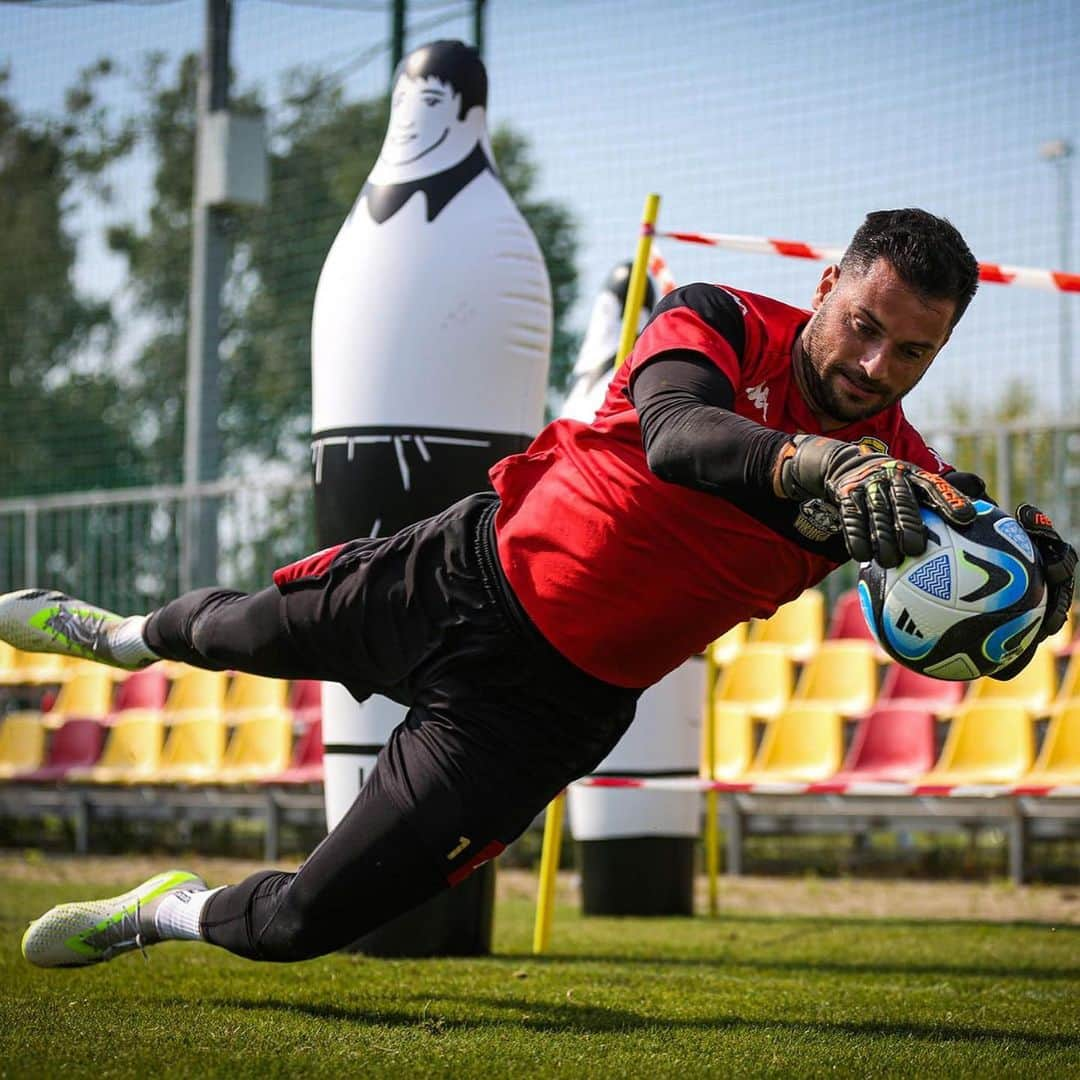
(62, 417)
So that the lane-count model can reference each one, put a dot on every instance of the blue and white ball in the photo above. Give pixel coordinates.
(969, 605)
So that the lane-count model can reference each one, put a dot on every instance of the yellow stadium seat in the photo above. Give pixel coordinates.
(87, 695)
(194, 749)
(1060, 643)
(733, 747)
(798, 626)
(34, 669)
(1033, 689)
(132, 752)
(1058, 762)
(760, 679)
(247, 691)
(843, 676)
(804, 743)
(7, 663)
(195, 689)
(727, 646)
(988, 743)
(1070, 682)
(22, 743)
(260, 746)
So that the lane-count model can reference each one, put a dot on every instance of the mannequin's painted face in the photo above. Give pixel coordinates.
(423, 120)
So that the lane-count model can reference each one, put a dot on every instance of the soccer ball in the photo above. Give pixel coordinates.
(970, 604)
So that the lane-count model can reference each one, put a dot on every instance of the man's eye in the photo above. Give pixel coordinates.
(432, 101)
(861, 327)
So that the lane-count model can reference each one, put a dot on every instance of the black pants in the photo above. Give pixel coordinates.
(498, 722)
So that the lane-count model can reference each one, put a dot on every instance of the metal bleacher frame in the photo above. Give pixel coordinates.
(83, 804)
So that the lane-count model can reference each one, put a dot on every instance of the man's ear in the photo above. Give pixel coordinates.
(825, 285)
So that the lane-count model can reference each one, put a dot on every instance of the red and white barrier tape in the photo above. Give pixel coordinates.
(660, 272)
(1025, 276)
(693, 784)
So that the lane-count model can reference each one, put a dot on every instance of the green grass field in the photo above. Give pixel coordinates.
(746, 993)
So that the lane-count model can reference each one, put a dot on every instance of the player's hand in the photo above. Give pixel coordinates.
(1059, 566)
(878, 496)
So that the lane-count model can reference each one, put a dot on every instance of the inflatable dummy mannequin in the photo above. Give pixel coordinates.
(431, 338)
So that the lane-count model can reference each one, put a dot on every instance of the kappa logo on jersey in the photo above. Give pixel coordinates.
(941, 464)
(759, 398)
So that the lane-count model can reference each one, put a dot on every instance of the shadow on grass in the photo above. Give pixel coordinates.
(826, 967)
(582, 1019)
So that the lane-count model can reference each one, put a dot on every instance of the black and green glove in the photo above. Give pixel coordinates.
(877, 496)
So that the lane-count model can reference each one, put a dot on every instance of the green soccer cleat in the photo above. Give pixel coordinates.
(43, 620)
(91, 931)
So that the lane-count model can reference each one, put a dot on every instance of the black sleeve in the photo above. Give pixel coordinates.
(691, 436)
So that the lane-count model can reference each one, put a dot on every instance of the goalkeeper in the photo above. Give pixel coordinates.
(744, 450)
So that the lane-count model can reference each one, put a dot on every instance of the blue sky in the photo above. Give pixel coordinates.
(790, 119)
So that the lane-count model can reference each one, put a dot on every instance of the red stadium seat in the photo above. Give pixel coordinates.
(895, 742)
(902, 685)
(305, 695)
(75, 744)
(307, 760)
(846, 620)
(146, 689)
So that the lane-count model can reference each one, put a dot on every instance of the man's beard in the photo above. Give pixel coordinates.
(823, 395)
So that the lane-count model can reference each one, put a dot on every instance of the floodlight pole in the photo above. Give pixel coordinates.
(209, 254)
(1059, 153)
(397, 37)
(478, 26)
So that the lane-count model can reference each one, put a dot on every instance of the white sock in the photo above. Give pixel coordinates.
(177, 916)
(127, 644)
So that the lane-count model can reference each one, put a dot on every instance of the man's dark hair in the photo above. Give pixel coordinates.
(928, 252)
(453, 62)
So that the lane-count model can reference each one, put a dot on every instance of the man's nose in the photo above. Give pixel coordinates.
(875, 363)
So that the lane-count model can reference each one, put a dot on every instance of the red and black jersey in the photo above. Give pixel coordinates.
(626, 574)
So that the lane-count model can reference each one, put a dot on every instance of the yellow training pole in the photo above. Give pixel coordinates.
(553, 819)
(712, 835)
(639, 277)
(549, 866)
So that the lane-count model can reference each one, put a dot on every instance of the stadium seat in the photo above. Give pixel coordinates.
(1058, 762)
(798, 626)
(1069, 690)
(846, 623)
(260, 746)
(195, 689)
(307, 760)
(727, 646)
(76, 744)
(194, 749)
(22, 743)
(86, 695)
(843, 676)
(146, 689)
(894, 742)
(733, 749)
(988, 743)
(902, 685)
(1033, 689)
(247, 691)
(1061, 643)
(33, 669)
(760, 679)
(132, 750)
(7, 663)
(804, 743)
(305, 695)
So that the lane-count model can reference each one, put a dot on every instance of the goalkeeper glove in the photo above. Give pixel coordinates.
(877, 496)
